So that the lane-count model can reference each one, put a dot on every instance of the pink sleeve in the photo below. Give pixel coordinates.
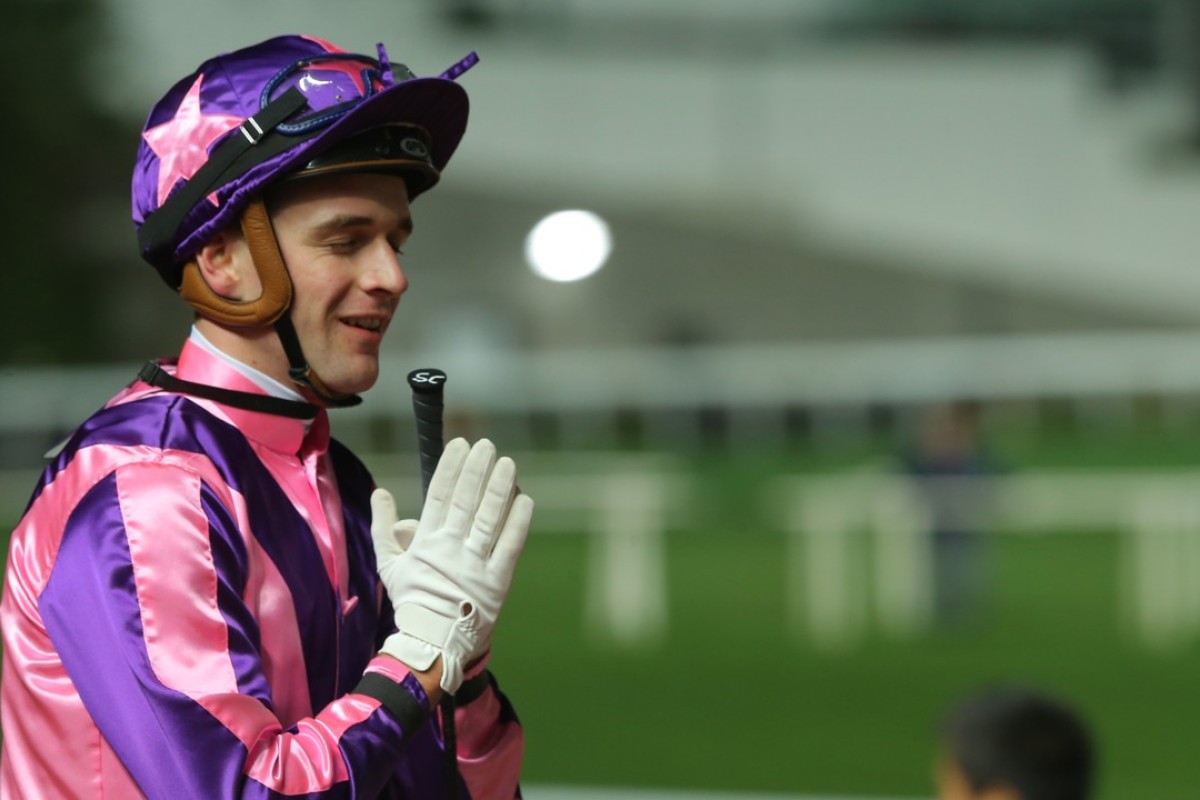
(491, 742)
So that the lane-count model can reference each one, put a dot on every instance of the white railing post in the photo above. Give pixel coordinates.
(626, 594)
(902, 558)
(826, 585)
(1163, 567)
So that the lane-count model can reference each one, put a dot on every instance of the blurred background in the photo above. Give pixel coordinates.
(884, 384)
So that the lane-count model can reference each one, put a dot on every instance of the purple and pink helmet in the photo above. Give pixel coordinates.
(289, 105)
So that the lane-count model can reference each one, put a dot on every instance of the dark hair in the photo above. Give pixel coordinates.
(1023, 739)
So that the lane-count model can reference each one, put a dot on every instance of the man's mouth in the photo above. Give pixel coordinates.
(373, 324)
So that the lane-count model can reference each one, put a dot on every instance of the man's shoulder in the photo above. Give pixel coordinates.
(154, 427)
(165, 430)
(154, 419)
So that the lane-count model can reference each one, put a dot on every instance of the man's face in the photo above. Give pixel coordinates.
(340, 236)
(952, 784)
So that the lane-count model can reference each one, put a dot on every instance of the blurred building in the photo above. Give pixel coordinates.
(774, 174)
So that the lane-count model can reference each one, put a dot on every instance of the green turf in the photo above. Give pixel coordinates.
(733, 698)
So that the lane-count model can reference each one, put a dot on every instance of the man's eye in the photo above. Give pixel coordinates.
(344, 245)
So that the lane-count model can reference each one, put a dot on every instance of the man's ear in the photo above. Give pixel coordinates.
(227, 268)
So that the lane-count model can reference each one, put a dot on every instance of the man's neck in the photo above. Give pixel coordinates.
(238, 352)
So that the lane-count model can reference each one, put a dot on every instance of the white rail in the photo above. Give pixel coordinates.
(835, 524)
(726, 376)
(852, 539)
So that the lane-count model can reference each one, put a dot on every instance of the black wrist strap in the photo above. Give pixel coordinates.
(473, 689)
(404, 707)
(450, 742)
(155, 375)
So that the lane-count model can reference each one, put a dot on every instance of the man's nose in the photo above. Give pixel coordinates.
(384, 272)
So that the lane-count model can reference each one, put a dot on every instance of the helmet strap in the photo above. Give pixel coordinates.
(268, 260)
(269, 308)
(301, 373)
(258, 141)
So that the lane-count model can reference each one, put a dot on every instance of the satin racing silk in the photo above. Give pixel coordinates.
(189, 605)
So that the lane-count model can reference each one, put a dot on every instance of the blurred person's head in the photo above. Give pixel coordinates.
(1014, 744)
(949, 431)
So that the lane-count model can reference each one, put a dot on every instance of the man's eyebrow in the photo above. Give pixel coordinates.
(340, 222)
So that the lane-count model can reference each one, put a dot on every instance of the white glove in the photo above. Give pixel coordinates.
(447, 575)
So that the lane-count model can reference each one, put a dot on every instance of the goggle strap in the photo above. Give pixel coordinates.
(157, 233)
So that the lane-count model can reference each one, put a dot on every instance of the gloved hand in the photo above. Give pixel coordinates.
(448, 575)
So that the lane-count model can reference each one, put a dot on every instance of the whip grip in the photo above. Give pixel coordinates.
(428, 402)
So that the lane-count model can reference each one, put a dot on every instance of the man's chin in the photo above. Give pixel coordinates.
(358, 383)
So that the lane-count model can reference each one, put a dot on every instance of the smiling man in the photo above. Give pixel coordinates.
(207, 595)
(340, 236)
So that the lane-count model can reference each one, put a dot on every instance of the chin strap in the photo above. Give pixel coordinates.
(155, 375)
(301, 373)
(271, 308)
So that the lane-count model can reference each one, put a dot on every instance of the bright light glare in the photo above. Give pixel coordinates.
(568, 245)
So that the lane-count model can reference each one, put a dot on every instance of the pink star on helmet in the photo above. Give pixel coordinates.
(181, 144)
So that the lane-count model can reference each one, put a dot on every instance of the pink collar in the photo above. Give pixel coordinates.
(277, 433)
